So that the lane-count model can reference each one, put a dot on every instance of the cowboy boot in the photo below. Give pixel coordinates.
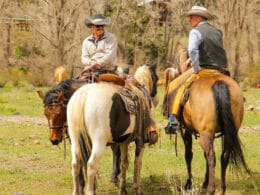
(173, 126)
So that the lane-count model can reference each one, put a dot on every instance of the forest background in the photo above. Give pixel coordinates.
(38, 35)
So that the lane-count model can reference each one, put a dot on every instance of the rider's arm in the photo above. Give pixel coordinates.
(86, 52)
(195, 39)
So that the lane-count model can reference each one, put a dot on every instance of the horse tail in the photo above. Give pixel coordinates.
(226, 122)
(81, 132)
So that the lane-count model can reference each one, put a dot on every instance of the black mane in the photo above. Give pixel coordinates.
(64, 86)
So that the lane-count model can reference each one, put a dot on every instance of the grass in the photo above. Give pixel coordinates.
(29, 164)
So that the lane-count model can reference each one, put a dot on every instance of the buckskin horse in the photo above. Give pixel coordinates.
(99, 115)
(214, 108)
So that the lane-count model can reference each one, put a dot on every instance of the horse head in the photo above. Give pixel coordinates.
(55, 112)
(146, 75)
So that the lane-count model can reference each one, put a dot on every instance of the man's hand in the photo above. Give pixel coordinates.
(93, 66)
(187, 63)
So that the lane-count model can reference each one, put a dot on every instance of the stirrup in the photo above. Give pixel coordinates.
(172, 128)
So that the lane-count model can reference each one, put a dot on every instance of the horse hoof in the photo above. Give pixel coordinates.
(205, 185)
(114, 181)
(123, 192)
(188, 185)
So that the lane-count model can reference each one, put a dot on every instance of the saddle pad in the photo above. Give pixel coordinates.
(111, 78)
(130, 99)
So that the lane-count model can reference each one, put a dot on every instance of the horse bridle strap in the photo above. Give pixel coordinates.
(58, 126)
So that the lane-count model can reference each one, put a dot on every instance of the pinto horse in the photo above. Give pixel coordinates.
(60, 74)
(98, 116)
(215, 106)
(55, 107)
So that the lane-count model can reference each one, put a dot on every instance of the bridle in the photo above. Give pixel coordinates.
(62, 125)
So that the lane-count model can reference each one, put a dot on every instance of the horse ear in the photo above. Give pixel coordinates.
(153, 65)
(41, 94)
(60, 96)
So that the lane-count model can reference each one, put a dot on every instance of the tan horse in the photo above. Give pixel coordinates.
(60, 74)
(214, 106)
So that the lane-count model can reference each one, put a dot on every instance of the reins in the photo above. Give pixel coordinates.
(62, 126)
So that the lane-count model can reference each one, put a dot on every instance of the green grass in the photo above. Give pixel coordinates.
(28, 167)
(21, 101)
(252, 118)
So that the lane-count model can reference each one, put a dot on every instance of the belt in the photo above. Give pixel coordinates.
(208, 66)
(222, 69)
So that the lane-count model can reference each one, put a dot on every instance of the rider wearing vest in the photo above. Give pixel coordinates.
(207, 56)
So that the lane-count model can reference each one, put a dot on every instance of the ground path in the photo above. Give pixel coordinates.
(42, 120)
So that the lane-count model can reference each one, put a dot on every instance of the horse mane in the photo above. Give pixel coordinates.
(146, 74)
(64, 86)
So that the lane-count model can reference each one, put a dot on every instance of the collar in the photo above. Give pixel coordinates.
(203, 22)
(92, 39)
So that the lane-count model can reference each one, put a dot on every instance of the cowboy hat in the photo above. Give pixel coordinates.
(97, 19)
(200, 11)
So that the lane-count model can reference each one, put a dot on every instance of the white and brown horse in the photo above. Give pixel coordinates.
(98, 115)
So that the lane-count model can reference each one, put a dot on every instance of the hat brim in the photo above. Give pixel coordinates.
(204, 14)
(89, 22)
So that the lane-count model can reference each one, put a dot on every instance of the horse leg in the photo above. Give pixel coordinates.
(98, 149)
(224, 163)
(116, 163)
(206, 180)
(76, 173)
(206, 142)
(187, 139)
(137, 169)
(81, 181)
(124, 166)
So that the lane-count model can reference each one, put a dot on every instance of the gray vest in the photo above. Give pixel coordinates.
(211, 50)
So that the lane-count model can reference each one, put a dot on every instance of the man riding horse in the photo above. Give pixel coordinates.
(99, 50)
(206, 56)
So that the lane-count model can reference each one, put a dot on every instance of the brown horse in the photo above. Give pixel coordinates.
(214, 106)
(60, 74)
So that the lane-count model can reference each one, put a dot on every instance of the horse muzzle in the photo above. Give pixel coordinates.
(55, 136)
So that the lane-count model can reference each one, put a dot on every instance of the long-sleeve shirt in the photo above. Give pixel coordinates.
(195, 39)
(103, 51)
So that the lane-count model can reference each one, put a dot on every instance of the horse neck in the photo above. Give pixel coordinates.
(145, 79)
(74, 86)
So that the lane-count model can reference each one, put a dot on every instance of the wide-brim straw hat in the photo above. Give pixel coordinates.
(200, 11)
(97, 19)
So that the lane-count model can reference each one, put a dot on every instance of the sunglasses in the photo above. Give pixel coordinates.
(99, 26)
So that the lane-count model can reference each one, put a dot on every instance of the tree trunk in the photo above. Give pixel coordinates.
(7, 51)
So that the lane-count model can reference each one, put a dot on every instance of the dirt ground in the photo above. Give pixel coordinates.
(40, 120)
(18, 118)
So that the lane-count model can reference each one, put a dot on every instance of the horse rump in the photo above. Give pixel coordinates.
(232, 143)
